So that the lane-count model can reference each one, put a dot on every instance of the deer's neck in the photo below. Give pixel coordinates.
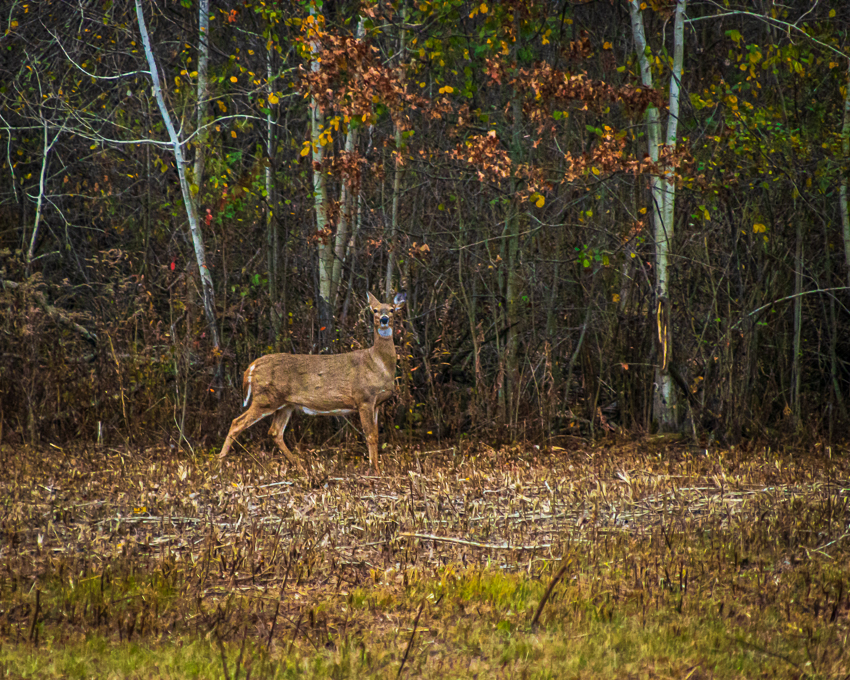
(384, 348)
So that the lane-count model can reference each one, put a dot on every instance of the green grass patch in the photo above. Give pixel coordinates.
(718, 566)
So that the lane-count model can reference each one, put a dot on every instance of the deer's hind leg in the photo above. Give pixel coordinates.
(279, 423)
(242, 422)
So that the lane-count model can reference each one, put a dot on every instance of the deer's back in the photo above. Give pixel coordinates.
(337, 380)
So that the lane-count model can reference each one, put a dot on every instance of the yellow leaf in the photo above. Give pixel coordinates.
(594, 170)
(305, 150)
(233, 79)
(541, 201)
(273, 98)
(606, 45)
(233, 134)
(483, 8)
(759, 228)
(616, 297)
(642, 211)
(221, 105)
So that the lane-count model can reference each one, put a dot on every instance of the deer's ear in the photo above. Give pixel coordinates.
(373, 301)
(399, 300)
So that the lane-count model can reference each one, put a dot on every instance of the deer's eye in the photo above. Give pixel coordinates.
(375, 309)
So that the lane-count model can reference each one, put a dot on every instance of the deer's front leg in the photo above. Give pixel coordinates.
(369, 419)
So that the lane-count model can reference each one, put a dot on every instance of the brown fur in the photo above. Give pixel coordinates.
(319, 384)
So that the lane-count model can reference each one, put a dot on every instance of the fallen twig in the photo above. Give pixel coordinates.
(473, 544)
(564, 564)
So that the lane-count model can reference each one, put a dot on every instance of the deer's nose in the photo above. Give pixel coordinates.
(385, 320)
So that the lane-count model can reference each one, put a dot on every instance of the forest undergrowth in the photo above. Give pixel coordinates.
(632, 559)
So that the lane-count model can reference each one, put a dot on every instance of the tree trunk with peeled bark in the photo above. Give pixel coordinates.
(663, 188)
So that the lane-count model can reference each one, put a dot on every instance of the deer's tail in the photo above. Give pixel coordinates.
(246, 385)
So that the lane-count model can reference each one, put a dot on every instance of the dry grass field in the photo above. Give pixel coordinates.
(643, 560)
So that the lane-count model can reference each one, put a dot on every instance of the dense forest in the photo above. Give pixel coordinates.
(606, 216)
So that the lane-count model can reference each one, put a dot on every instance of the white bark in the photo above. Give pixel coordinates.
(399, 166)
(346, 203)
(47, 145)
(188, 199)
(320, 199)
(203, 68)
(663, 208)
(272, 239)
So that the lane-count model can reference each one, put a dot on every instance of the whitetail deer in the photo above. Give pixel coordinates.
(323, 385)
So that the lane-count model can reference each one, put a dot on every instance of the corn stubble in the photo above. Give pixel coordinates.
(680, 563)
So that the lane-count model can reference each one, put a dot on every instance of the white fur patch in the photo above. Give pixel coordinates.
(334, 412)
(248, 396)
(385, 332)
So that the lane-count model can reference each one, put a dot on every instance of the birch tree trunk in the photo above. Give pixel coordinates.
(320, 199)
(663, 203)
(272, 237)
(347, 200)
(47, 146)
(188, 199)
(393, 236)
(203, 68)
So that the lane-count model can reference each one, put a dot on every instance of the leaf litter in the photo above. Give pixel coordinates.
(140, 544)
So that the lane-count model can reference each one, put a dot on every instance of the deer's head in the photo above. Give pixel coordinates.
(383, 313)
